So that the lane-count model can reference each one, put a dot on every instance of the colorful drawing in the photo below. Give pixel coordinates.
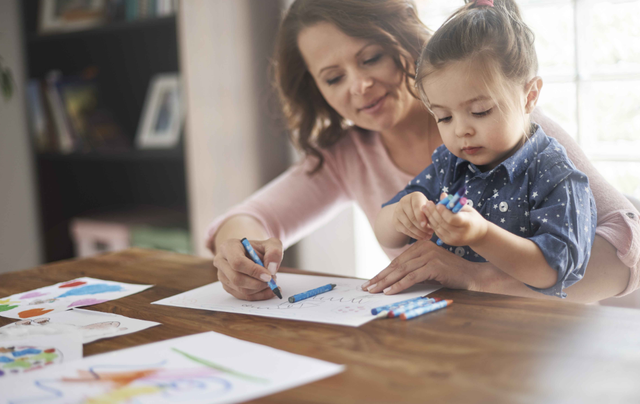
(346, 304)
(205, 368)
(18, 359)
(65, 295)
(91, 325)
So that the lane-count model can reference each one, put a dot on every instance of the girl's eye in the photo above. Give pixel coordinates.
(334, 80)
(484, 113)
(373, 59)
(445, 119)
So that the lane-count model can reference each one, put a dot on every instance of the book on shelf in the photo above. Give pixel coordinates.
(67, 115)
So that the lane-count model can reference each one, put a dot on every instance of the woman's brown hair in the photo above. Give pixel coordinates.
(394, 24)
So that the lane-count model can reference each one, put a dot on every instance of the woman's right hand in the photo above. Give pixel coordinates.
(243, 278)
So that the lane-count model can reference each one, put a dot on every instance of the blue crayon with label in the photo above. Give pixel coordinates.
(391, 306)
(254, 256)
(425, 309)
(412, 306)
(311, 293)
(453, 203)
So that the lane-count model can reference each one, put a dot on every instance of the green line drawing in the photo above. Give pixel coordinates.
(222, 368)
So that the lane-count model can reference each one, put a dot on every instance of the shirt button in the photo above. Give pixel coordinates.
(460, 251)
(470, 203)
(504, 207)
(631, 215)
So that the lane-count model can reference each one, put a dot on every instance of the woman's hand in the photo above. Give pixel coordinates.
(409, 218)
(243, 278)
(425, 261)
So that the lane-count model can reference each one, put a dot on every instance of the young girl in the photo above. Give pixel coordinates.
(530, 212)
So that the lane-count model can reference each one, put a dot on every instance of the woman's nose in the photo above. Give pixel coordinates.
(361, 83)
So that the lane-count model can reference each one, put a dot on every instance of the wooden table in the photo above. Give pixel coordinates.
(483, 349)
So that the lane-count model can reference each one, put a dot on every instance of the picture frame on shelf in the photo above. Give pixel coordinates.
(70, 15)
(162, 114)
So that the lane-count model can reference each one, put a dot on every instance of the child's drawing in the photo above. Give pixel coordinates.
(20, 356)
(346, 304)
(93, 325)
(65, 295)
(198, 369)
(24, 358)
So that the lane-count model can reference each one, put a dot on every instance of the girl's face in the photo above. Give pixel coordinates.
(473, 125)
(356, 77)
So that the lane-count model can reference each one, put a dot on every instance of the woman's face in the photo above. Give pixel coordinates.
(356, 77)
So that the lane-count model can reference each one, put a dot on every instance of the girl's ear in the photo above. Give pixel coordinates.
(532, 92)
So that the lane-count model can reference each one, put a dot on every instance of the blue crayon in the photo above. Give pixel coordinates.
(311, 293)
(456, 197)
(389, 307)
(445, 200)
(411, 306)
(254, 256)
(425, 309)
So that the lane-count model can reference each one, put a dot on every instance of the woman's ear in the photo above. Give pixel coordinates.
(532, 91)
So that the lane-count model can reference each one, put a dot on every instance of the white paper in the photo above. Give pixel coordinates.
(64, 296)
(37, 353)
(204, 368)
(93, 325)
(347, 304)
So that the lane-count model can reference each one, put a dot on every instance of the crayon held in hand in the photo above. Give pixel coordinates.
(254, 256)
(311, 293)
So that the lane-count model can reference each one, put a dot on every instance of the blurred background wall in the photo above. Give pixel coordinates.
(19, 234)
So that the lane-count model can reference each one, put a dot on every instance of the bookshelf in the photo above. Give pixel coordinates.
(126, 54)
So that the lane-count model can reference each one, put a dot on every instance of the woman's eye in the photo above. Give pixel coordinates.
(445, 119)
(373, 59)
(483, 113)
(334, 80)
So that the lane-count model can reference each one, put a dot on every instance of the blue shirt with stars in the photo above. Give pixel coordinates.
(537, 193)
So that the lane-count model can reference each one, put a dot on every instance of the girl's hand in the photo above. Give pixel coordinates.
(425, 261)
(466, 227)
(409, 219)
(243, 278)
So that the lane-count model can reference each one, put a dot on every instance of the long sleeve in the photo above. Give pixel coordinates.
(618, 220)
(295, 203)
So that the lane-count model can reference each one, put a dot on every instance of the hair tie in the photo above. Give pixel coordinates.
(484, 3)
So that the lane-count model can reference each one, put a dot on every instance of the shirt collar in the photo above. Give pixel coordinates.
(514, 165)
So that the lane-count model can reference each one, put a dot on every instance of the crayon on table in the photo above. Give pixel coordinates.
(311, 293)
(412, 306)
(388, 307)
(254, 256)
(425, 309)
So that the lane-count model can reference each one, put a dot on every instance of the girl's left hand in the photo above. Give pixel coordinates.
(467, 227)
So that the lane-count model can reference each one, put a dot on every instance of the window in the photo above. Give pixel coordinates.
(589, 55)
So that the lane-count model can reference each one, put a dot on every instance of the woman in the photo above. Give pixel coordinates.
(344, 69)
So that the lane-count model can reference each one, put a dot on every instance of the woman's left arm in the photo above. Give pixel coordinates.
(615, 256)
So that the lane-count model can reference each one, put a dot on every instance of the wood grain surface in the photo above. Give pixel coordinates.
(482, 349)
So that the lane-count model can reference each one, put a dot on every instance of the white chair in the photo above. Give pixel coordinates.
(632, 300)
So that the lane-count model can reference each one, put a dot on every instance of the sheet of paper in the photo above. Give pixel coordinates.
(204, 368)
(36, 353)
(346, 304)
(93, 325)
(64, 296)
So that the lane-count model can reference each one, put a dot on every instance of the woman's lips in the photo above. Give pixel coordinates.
(375, 106)
(471, 150)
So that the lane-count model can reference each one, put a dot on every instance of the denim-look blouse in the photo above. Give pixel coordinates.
(537, 193)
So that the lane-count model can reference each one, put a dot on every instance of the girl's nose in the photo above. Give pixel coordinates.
(463, 128)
